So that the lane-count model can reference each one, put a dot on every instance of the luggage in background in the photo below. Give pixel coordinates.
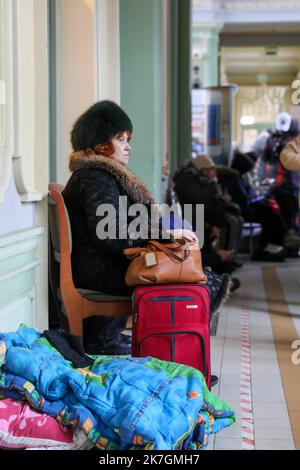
(172, 323)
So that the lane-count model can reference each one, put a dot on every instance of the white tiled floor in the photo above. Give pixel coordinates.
(272, 429)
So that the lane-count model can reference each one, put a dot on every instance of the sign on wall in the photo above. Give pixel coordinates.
(212, 122)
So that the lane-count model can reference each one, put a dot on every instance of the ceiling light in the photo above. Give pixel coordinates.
(247, 120)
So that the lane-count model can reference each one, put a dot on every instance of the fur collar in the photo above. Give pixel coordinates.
(133, 186)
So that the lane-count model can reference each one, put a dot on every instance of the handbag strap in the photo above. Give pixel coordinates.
(169, 252)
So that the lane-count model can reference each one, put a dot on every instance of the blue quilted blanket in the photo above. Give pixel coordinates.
(119, 402)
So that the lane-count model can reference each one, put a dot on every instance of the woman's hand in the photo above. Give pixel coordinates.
(184, 234)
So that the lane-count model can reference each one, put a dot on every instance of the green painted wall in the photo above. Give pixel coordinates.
(141, 86)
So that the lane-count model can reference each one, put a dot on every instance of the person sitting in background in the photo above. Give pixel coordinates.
(218, 259)
(285, 187)
(264, 170)
(257, 209)
(196, 182)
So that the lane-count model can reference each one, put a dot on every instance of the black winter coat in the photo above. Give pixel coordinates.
(99, 264)
(194, 188)
(231, 181)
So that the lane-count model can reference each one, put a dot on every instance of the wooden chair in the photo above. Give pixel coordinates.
(77, 304)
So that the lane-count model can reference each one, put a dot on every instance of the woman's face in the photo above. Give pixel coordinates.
(122, 148)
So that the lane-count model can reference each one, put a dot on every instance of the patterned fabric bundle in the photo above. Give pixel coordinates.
(120, 403)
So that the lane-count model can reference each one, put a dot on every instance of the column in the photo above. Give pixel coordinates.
(180, 82)
(206, 42)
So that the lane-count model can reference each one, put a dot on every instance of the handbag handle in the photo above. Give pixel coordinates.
(169, 252)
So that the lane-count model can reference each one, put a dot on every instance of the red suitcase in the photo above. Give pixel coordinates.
(171, 322)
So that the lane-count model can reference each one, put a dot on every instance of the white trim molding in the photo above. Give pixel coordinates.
(107, 47)
(30, 98)
(6, 96)
(19, 242)
(19, 264)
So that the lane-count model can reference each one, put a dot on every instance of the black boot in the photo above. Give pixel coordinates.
(214, 379)
(234, 284)
(219, 287)
(119, 348)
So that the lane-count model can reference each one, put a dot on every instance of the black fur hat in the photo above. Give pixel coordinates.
(98, 125)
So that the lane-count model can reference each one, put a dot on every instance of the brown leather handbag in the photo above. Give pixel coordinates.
(170, 263)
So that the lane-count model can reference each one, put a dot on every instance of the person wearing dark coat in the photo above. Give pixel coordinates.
(232, 183)
(101, 150)
(100, 180)
(285, 188)
(220, 260)
(258, 210)
(195, 182)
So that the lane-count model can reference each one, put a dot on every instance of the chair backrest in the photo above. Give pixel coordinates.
(61, 237)
(54, 219)
(77, 307)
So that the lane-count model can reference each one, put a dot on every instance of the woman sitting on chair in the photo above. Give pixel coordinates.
(100, 180)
